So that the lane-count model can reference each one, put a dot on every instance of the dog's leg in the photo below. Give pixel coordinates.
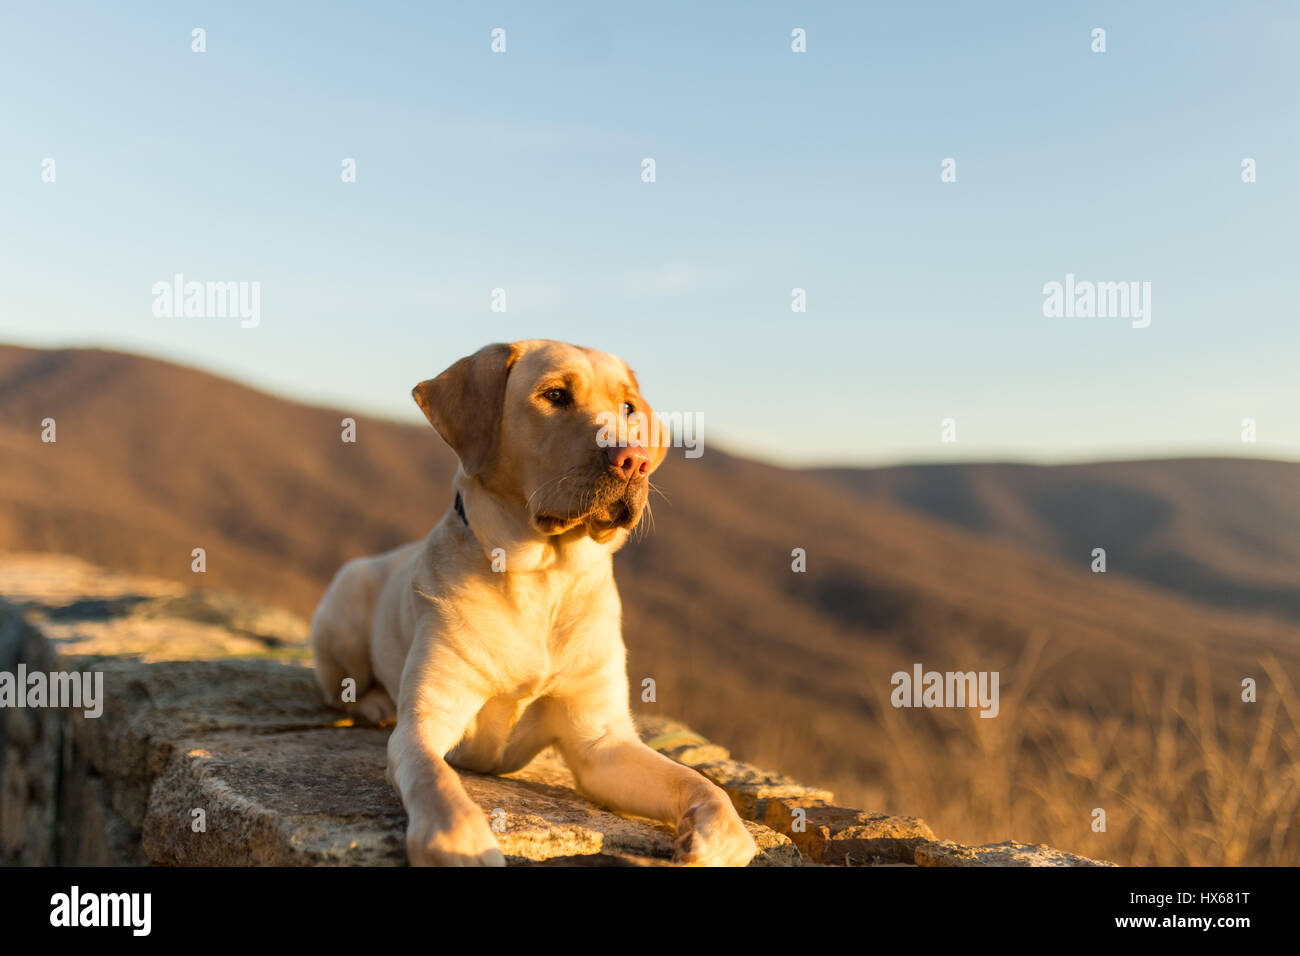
(340, 637)
(445, 827)
(614, 768)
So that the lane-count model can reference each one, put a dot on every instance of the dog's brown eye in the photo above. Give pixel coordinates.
(557, 396)
(628, 408)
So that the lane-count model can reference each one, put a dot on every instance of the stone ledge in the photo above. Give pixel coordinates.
(947, 853)
(213, 749)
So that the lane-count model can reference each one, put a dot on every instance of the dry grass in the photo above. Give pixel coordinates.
(1187, 776)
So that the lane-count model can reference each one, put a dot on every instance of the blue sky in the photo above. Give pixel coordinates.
(774, 170)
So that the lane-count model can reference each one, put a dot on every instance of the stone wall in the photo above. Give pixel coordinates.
(213, 749)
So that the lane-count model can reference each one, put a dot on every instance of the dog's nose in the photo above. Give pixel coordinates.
(632, 462)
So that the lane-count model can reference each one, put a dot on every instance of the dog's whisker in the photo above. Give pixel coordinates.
(557, 480)
(657, 490)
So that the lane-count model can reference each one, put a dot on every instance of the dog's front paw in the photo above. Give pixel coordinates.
(465, 841)
(710, 833)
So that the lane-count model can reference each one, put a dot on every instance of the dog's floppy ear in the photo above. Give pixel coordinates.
(465, 403)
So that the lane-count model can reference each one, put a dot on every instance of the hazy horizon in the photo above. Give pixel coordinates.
(414, 417)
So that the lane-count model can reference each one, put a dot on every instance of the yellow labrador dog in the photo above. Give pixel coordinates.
(499, 634)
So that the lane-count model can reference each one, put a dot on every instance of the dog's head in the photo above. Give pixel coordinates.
(562, 431)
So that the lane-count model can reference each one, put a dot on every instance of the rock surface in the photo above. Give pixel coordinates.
(845, 837)
(947, 853)
(214, 749)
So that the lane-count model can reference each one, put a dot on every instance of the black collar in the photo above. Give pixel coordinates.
(460, 509)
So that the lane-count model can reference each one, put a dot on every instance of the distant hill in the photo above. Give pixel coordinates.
(1221, 531)
(154, 459)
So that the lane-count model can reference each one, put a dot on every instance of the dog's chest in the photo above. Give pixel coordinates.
(550, 647)
(556, 647)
